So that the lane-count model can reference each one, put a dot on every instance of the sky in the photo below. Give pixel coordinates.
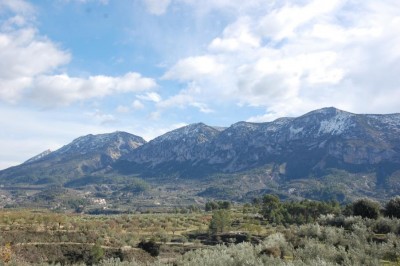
(75, 67)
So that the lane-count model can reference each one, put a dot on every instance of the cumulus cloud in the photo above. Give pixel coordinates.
(195, 68)
(186, 98)
(294, 56)
(24, 55)
(236, 37)
(58, 90)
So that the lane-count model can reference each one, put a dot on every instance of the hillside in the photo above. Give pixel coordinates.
(324, 154)
(83, 156)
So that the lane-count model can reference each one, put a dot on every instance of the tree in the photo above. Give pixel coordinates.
(226, 205)
(392, 208)
(272, 208)
(220, 221)
(366, 208)
(97, 253)
(211, 205)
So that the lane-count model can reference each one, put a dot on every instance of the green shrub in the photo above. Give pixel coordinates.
(392, 208)
(366, 208)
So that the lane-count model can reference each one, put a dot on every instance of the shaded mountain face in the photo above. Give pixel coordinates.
(174, 153)
(112, 145)
(326, 138)
(83, 156)
(295, 147)
(302, 146)
(180, 145)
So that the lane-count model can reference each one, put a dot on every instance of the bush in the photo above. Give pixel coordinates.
(385, 226)
(366, 208)
(150, 247)
(392, 208)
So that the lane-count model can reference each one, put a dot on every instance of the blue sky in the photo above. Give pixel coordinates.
(74, 67)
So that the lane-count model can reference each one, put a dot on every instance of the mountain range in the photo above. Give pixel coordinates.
(321, 143)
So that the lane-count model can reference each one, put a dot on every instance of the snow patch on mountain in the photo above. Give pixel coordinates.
(337, 124)
(294, 131)
(392, 121)
(278, 124)
(246, 125)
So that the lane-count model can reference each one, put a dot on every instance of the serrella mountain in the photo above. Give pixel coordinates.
(288, 148)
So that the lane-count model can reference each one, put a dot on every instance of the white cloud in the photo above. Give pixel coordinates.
(29, 63)
(194, 68)
(236, 37)
(202, 107)
(284, 22)
(59, 90)
(150, 96)
(297, 56)
(23, 55)
(184, 99)
(157, 7)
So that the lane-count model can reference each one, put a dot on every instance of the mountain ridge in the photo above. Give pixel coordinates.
(289, 148)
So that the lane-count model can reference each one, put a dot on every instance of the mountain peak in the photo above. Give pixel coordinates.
(192, 130)
(247, 125)
(328, 111)
(94, 143)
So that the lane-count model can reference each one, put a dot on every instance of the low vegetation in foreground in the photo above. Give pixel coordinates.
(265, 232)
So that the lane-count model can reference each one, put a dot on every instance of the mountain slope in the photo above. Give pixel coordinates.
(176, 152)
(83, 156)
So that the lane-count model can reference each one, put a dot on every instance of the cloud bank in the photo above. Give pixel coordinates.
(294, 56)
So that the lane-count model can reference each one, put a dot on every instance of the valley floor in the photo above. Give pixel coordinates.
(240, 236)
